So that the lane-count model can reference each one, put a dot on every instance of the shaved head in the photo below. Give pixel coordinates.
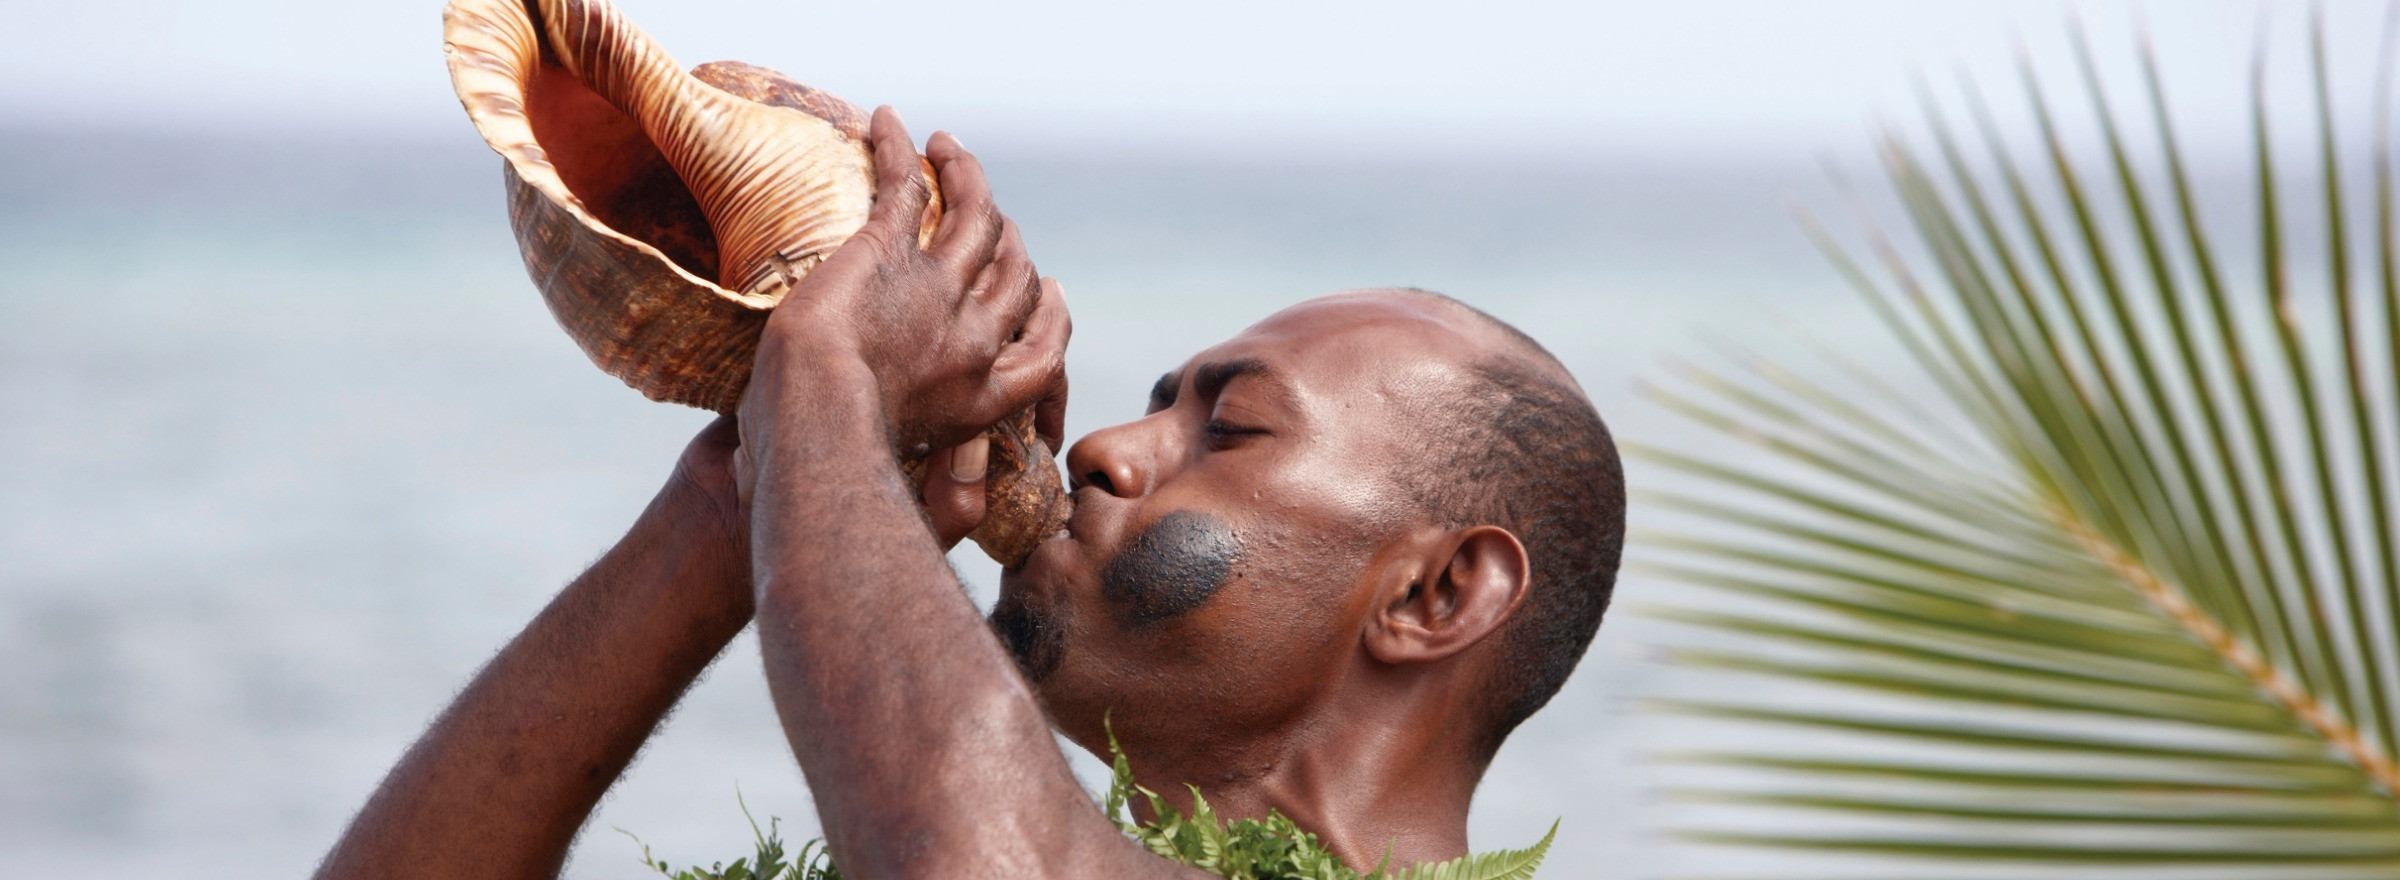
(1227, 546)
(1517, 444)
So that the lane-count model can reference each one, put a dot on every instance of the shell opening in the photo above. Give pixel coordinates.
(615, 171)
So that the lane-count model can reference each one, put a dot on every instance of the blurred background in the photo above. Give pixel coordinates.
(289, 445)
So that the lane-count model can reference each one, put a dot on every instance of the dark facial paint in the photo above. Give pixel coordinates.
(1172, 567)
(1169, 569)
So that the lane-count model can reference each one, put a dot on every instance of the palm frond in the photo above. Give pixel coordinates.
(2147, 616)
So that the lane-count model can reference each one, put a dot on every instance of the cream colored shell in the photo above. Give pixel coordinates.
(662, 213)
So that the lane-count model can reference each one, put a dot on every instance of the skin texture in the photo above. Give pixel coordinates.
(1347, 617)
(865, 630)
(1255, 607)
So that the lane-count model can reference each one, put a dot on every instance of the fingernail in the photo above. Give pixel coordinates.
(968, 461)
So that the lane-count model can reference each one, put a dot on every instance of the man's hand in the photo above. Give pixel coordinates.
(953, 492)
(705, 504)
(897, 699)
(956, 334)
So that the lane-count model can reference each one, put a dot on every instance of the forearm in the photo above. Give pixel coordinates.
(866, 633)
(501, 782)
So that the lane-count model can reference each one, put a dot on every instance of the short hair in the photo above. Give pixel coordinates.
(1520, 447)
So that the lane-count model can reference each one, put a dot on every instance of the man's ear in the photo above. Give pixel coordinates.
(1450, 591)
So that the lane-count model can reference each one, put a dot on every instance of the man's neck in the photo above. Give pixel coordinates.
(1366, 794)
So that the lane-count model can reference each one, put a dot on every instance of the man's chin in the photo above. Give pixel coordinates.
(1033, 635)
(1032, 615)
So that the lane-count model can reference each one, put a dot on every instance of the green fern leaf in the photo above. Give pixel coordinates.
(1275, 848)
(1507, 864)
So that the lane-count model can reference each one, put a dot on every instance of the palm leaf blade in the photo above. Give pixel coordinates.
(2146, 621)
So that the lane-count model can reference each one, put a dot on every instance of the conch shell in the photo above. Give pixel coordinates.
(662, 214)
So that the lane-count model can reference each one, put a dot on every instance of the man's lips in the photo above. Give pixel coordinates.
(1087, 526)
(1078, 520)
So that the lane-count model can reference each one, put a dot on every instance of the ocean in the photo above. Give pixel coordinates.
(289, 446)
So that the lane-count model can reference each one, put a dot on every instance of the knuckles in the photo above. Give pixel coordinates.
(939, 331)
(909, 190)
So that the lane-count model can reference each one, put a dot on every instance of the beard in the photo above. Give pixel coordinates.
(1031, 634)
(1171, 568)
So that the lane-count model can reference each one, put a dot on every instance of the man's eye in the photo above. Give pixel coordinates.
(1223, 434)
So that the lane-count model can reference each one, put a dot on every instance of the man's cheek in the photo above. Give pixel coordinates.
(1174, 566)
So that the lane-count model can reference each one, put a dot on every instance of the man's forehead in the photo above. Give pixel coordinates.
(1354, 335)
(1351, 311)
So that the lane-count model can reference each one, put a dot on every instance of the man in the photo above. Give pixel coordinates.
(1341, 557)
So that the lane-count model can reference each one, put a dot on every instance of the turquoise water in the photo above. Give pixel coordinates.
(288, 446)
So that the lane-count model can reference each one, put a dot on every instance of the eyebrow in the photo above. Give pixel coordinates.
(1162, 394)
(1211, 378)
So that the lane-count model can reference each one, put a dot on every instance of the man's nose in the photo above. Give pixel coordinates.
(1121, 460)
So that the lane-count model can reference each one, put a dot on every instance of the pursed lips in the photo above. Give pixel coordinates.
(1079, 531)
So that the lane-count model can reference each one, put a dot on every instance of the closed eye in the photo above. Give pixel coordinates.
(1223, 435)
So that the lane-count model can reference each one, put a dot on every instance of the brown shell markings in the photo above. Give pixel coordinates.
(662, 214)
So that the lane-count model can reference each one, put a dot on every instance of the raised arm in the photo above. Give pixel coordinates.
(924, 748)
(500, 783)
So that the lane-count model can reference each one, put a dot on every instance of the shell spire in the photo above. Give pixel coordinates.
(662, 213)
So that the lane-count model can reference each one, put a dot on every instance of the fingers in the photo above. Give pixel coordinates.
(1032, 372)
(954, 489)
(971, 225)
(901, 191)
(1015, 289)
(1004, 293)
(1050, 416)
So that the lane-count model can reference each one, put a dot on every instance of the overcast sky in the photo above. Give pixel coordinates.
(1688, 74)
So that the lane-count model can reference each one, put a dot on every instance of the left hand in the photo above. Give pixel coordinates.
(702, 505)
(957, 334)
(953, 490)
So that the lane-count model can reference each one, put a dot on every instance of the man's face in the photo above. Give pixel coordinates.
(1210, 580)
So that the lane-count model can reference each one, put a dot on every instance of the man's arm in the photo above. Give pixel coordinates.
(504, 778)
(923, 746)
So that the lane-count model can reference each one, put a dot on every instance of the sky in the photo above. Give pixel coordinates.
(1510, 76)
(1293, 81)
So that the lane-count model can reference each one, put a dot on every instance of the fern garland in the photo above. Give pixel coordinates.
(1274, 848)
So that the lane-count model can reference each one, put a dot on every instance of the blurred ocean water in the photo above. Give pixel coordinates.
(288, 446)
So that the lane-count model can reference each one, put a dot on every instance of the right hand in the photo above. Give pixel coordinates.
(704, 508)
(954, 487)
(957, 334)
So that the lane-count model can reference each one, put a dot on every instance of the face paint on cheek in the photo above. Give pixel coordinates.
(1172, 567)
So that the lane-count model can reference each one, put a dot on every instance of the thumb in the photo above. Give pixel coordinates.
(954, 487)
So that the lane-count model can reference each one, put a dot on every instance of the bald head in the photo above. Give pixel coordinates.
(1230, 526)
(1471, 329)
(1513, 442)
